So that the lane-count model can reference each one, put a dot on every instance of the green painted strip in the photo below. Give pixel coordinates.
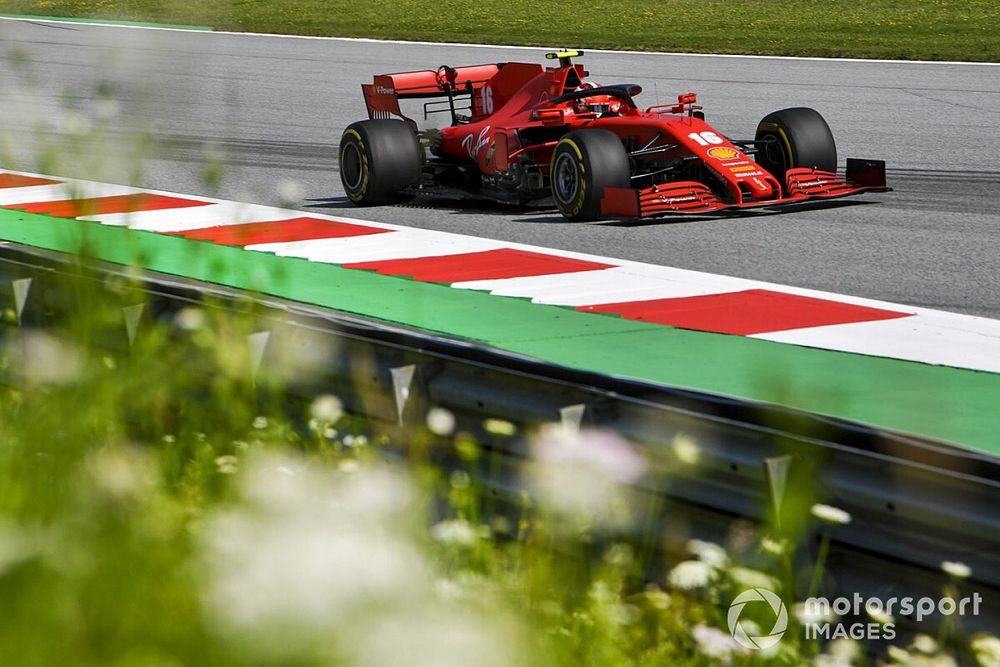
(950, 404)
(80, 19)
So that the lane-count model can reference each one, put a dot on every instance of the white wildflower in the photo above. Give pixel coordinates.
(309, 549)
(348, 466)
(844, 651)
(656, 597)
(827, 660)
(690, 574)
(326, 408)
(227, 464)
(709, 552)
(924, 643)
(810, 614)
(939, 660)
(190, 318)
(686, 449)
(715, 643)
(877, 612)
(46, 359)
(499, 427)
(956, 569)
(438, 636)
(260, 423)
(585, 474)
(750, 578)
(440, 421)
(120, 471)
(898, 655)
(831, 515)
(773, 547)
(987, 650)
(455, 531)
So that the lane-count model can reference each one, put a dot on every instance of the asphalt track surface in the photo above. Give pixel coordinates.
(265, 113)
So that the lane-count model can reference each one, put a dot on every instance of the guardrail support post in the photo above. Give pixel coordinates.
(258, 343)
(776, 469)
(572, 416)
(402, 380)
(132, 316)
(20, 288)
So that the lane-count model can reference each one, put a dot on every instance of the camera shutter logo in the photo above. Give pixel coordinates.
(780, 619)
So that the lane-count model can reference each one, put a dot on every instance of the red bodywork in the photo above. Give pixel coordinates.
(512, 126)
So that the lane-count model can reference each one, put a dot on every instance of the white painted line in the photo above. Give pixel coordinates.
(379, 247)
(584, 288)
(191, 217)
(536, 49)
(61, 192)
(927, 339)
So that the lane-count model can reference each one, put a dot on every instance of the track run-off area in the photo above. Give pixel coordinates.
(257, 119)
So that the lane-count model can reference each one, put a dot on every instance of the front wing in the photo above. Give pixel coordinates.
(802, 184)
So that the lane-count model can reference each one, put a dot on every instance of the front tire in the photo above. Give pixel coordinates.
(585, 162)
(378, 160)
(797, 137)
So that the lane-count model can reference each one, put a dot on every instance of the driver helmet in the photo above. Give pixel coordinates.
(599, 104)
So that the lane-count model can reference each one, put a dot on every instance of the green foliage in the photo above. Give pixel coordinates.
(164, 501)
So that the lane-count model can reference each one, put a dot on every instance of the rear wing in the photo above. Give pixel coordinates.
(383, 94)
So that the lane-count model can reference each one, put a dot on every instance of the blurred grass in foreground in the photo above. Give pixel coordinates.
(165, 500)
(894, 29)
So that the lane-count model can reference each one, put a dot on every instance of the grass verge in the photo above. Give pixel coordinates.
(894, 29)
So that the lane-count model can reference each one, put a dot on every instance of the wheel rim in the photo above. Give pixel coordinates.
(351, 165)
(774, 152)
(565, 179)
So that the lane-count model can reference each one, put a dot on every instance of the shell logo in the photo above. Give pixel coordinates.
(724, 153)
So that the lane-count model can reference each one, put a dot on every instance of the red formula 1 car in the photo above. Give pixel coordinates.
(524, 134)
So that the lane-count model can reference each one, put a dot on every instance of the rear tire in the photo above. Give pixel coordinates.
(583, 164)
(797, 137)
(379, 159)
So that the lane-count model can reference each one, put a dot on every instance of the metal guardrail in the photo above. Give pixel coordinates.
(915, 502)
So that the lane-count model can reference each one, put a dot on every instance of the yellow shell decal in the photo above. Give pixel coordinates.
(724, 153)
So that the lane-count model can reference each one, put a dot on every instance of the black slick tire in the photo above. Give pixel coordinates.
(378, 160)
(796, 137)
(585, 162)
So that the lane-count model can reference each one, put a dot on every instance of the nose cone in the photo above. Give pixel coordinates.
(758, 187)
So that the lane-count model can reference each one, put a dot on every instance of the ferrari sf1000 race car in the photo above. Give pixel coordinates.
(523, 134)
